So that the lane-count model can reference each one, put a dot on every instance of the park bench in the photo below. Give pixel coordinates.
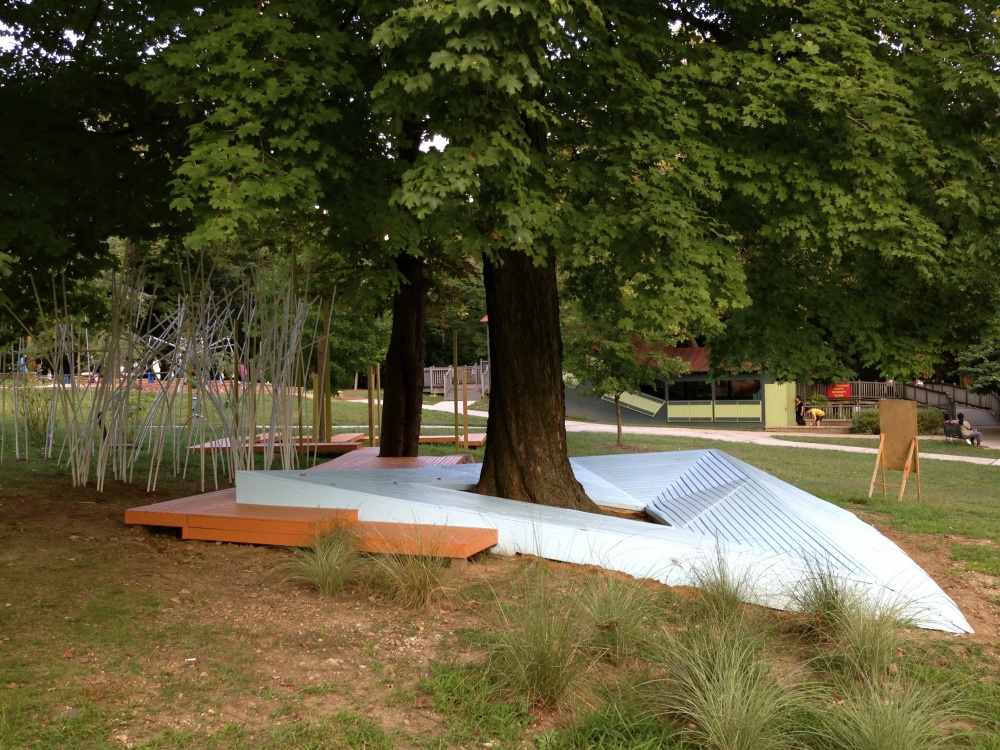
(953, 431)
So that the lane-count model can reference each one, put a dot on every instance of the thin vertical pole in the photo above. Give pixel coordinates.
(465, 409)
(378, 400)
(454, 373)
(371, 407)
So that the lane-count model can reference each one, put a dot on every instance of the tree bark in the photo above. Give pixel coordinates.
(526, 457)
(618, 417)
(404, 362)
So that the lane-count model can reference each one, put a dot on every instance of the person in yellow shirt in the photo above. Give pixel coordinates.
(816, 415)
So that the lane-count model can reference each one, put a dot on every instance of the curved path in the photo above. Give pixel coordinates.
(979, 419)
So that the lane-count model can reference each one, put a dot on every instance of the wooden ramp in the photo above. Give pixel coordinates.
(217, 517)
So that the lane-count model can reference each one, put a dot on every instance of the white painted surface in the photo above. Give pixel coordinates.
(718, 508)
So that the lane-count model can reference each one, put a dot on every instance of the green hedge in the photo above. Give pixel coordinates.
(929, 422)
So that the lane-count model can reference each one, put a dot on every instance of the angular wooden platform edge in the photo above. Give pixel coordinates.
(217, 517)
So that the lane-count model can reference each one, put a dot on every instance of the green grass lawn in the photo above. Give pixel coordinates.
(937, 447)
(112, 637)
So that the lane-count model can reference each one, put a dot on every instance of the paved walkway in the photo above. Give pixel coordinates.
(982, 420)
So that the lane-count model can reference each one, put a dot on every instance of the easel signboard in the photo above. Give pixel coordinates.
(898, 448)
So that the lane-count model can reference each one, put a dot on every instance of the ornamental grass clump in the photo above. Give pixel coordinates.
(619, 612)
(540, 652)
(724, 590)
(890, 717)
(863, 636)
(721, 693)
(329, 565)
(411, 581)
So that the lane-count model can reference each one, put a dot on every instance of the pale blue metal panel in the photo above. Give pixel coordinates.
(712, 505)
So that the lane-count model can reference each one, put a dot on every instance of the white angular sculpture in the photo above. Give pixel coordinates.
(714, 510)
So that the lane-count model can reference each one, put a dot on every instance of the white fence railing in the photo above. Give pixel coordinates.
(861, 390)
(942, 396)
(441, 380)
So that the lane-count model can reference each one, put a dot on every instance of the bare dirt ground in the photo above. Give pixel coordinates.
(235, 647)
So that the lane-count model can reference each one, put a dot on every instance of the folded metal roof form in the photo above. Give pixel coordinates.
(713, 510)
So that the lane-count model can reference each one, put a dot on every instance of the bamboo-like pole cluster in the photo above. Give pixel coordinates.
(227, 384)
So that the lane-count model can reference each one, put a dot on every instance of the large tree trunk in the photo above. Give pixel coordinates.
(526, 456)
(404, 363)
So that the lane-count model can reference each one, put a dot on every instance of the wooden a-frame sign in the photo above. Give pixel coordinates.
(898, 447)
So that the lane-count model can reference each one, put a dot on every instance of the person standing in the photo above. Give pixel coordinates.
(800, 412)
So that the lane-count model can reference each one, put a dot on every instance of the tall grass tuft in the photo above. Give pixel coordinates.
(889, 718)
(540, 652)
(724, 591)
(619, 611)
(411, 581)
(722, 693)
(864, 635)
(330, 564)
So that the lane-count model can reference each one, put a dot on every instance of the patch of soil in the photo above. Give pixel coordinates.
(279, 653)
(976, 594)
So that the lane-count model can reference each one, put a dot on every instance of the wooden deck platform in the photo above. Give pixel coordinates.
(473, 439)
(216, 516)
(368, 458)
(341, 443)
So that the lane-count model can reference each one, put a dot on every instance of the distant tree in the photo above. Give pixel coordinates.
(981, 362)
(611, 361)
(86, 156)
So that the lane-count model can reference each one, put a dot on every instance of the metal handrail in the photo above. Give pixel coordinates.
(944, 396)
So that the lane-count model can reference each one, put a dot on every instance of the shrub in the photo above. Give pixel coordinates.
(929, 422)
(866, 422)
(33, 407)
(330, 564)
(817, 399)
(619, 610)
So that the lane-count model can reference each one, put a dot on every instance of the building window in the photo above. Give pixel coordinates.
(737, 390)
(690, 390)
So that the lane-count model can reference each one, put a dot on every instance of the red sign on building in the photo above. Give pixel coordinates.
(838, 390)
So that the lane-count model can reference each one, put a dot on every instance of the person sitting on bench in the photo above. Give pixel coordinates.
(968, 434)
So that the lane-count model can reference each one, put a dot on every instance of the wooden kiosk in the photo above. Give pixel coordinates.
(898, 447)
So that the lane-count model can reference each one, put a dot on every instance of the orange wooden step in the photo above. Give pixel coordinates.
(219, 510)
(217, 517)
(423, 539)
(174, 512)
(373, 536)
(247, 537)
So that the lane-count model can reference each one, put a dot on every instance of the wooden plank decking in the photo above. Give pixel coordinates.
(473, 439)
(340, 443)
(216, 516)
(368, 458)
